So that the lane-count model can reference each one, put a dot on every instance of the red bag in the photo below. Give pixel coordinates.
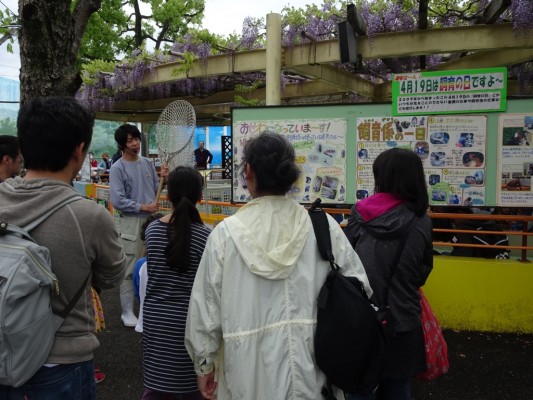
(436, 348)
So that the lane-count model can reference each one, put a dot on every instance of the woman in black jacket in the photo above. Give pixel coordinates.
(380, 225)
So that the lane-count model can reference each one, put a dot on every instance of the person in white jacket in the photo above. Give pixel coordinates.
(252, 313)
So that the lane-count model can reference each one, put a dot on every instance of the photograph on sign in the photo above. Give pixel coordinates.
(515, 161)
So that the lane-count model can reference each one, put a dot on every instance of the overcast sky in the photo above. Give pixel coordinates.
(221, 17)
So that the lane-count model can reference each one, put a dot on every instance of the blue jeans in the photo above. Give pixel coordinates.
(389, 389)
(64, 381)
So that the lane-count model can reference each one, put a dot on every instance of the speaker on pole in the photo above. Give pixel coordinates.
(347, 43)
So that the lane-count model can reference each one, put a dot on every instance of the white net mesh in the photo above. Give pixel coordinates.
(174, 133)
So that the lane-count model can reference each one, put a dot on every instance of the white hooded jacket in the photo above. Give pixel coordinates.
(253, 304)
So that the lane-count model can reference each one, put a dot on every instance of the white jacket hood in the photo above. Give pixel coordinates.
(270, 233)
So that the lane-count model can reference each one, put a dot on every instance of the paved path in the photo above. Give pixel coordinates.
(483, 366)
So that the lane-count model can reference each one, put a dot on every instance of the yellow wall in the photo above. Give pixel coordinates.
(482, 295)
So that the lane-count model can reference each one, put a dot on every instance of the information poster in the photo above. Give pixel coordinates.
(377, 134)
(515, 159)
(319, 145)
(452, 150)
(449, 92)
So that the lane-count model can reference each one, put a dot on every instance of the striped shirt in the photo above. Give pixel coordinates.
(166, 363)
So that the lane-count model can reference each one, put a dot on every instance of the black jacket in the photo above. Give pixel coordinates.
(202, 158)
(377, 241)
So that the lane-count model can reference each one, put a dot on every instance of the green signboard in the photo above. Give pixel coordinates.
(450, 92)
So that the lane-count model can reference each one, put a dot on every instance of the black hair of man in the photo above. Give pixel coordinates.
(400, 172)
(272, 159)
(121, 135)
(50, 129)
(9, 146)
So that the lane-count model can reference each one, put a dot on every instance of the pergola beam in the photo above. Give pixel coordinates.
(415, 43)
(220, 102)
(346, 81)
(494, 10)
(488, 59)
(222, 64)
(380, 46)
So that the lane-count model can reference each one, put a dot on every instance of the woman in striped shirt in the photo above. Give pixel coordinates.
(174, 244)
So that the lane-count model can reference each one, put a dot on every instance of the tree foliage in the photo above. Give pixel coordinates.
(103, 39)
(120, 27)
(58, 37)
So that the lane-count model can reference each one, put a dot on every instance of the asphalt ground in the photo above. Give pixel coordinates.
(483, 366)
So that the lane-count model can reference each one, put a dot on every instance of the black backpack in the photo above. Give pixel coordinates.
(351, 334)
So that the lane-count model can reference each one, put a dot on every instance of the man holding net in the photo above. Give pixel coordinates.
(133, 183)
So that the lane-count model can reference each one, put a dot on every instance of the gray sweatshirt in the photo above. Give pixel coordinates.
(132, 183)
(82, 240)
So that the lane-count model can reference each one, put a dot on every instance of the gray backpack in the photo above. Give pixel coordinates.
(27, 323)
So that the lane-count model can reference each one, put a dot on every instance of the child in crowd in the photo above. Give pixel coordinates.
(140, 275)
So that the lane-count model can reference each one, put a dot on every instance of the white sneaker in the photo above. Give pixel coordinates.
(129, 320)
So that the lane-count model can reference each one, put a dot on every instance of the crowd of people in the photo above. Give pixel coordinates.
(227, 313)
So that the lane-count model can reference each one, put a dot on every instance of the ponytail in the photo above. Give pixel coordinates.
(179, 233)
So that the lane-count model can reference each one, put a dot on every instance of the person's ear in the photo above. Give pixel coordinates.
(249, 175)
(79, 152)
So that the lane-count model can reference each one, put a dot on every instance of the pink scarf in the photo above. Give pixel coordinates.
(377, 205)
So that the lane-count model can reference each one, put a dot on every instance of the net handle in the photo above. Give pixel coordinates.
(162, 181)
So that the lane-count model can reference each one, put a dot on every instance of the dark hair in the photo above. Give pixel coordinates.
(184, 191)
(151, 218)
(400, 172)
(271, 157)
(9, 146)
(121, 134)
(50, 128)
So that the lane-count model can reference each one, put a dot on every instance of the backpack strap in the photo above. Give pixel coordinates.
(68, 308)
(36, 222)
(321, 229)
(323, 239)
(24, 230)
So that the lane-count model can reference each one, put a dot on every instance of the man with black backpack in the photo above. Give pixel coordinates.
(80, 237)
